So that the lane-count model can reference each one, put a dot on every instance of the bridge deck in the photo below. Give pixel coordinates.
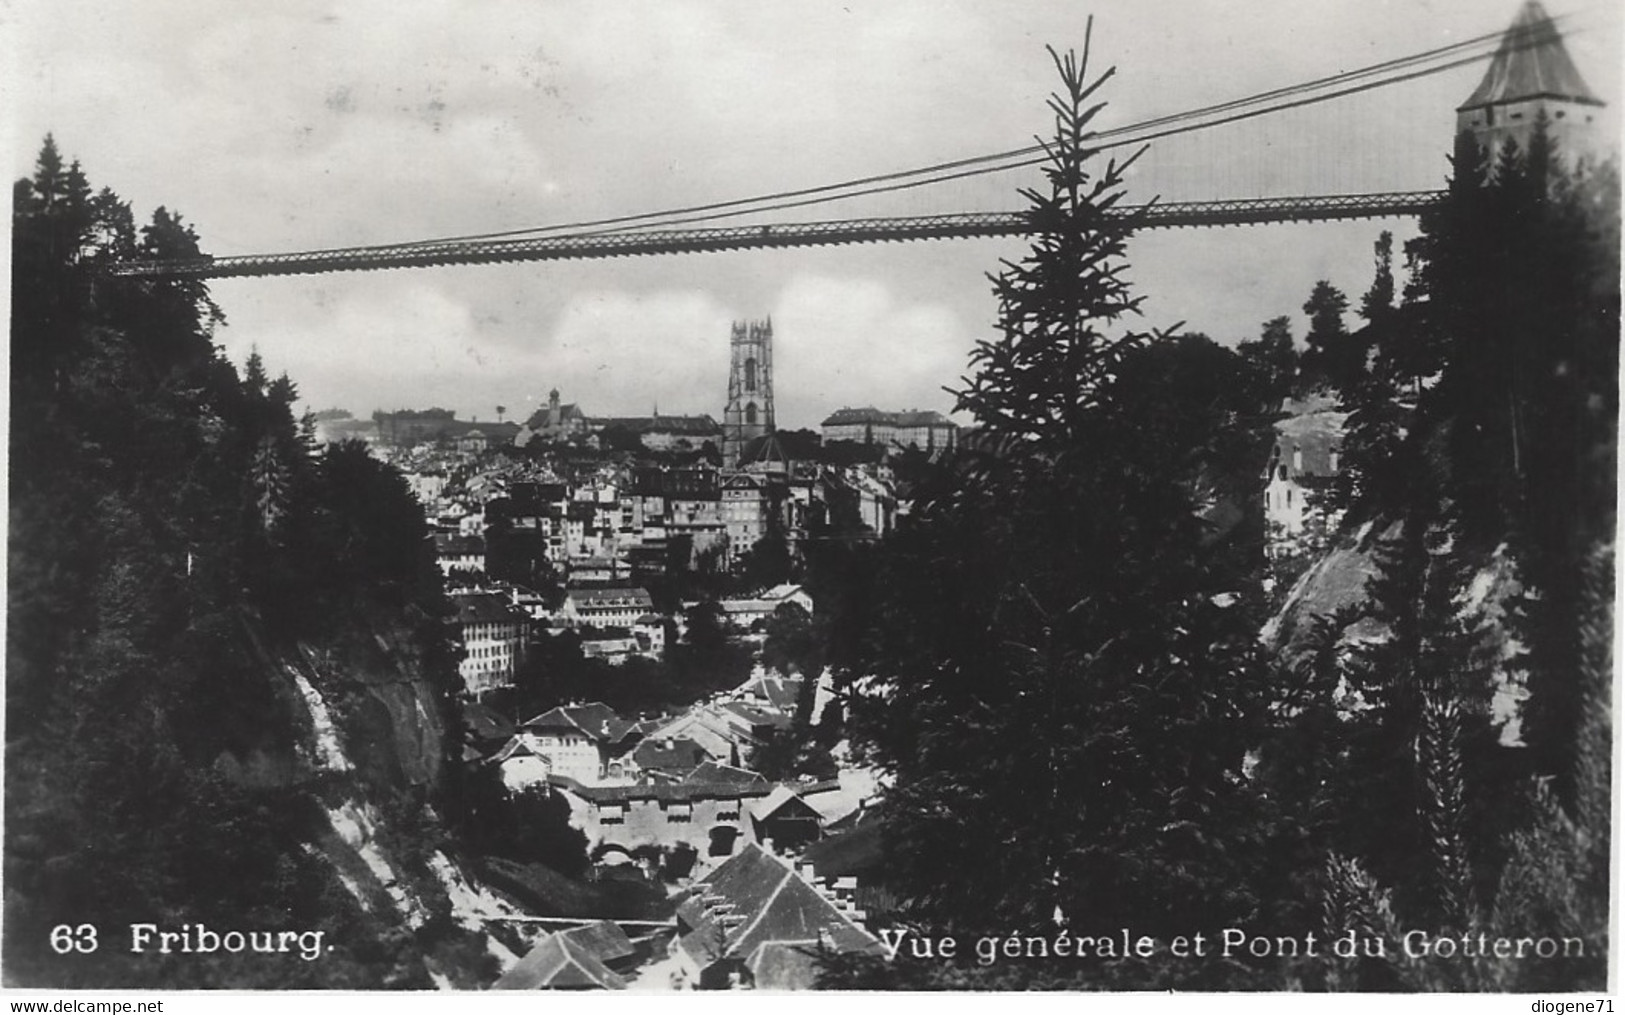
(754, 237)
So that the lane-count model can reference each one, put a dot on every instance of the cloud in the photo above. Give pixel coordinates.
(843, 341)
(309, 124)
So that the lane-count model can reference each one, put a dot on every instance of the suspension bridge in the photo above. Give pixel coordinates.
(1528, 56)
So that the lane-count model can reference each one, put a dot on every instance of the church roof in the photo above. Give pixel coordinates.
(763, 450)
(539, 419)
(1532, 63)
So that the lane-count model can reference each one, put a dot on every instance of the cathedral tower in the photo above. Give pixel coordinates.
(750, 387)
(1532, 74)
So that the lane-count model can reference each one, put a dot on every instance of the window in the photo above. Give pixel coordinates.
(750, 375)
(750, 414)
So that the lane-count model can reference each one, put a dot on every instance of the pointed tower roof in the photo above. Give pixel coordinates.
(1532, 63)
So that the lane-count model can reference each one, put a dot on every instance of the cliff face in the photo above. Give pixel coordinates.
(369, 735)
(1336, 592)
(362, 702)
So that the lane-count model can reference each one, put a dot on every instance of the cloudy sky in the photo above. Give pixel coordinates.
(315, 123)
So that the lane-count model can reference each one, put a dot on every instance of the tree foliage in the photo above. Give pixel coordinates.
(1479, 461)
(167, 524)
(1058, 684)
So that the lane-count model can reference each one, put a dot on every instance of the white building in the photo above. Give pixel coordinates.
(493, 634)
(1304, 461)
(928, 431)
(606, 607)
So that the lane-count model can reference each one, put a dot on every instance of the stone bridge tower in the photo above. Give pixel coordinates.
(1532, 76)
(750, 387)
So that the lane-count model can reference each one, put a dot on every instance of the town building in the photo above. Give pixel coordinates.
(928, 431)
(742, 614)
(666, 433)
(558, 422)
(606, 607)
(756, 921)
(593, 956)
(428, 487)
(1303, 464)
(582, 742)
(459, 553)
(523, 761)
(714, 815)
(493, 634)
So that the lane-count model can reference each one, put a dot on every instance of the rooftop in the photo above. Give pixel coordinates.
(1532, 63)
(485, 608)
(869, 414)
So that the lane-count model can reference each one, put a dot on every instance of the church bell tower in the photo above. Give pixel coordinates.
(750, 387)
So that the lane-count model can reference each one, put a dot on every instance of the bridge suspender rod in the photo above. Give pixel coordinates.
(630, 243)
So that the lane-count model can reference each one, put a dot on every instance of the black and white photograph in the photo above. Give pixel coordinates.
(833, 495)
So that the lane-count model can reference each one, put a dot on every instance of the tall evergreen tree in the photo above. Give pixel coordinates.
(1065, 696)
(1330, 356)
(1378, 301)
(1274, 356)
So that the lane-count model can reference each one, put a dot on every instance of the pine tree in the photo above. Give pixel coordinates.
(1378, 302)
(1330, 356)
(1274, 356)
(1066, 698)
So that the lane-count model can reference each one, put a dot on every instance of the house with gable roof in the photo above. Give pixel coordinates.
(1303, 461)
(755, 921)
(582, 958)
(785, 820)
(582, 742)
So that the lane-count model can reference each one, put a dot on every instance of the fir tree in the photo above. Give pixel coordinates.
(1065, 703)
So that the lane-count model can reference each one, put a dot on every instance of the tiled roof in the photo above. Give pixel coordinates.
(765, 449)
(518, 746)
(630, 597)
(681, 756)
(596, 720)
(1532, 63)
(662, 424)
(1315, 437)
(780, 693)
(755, 716)
(680, 791)
(753, 901)
(485, 608)
(717, 773)
(778, 799)
(485, 722)
(869, 414)
(572, 959)
(447, 545)
(568, 411)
